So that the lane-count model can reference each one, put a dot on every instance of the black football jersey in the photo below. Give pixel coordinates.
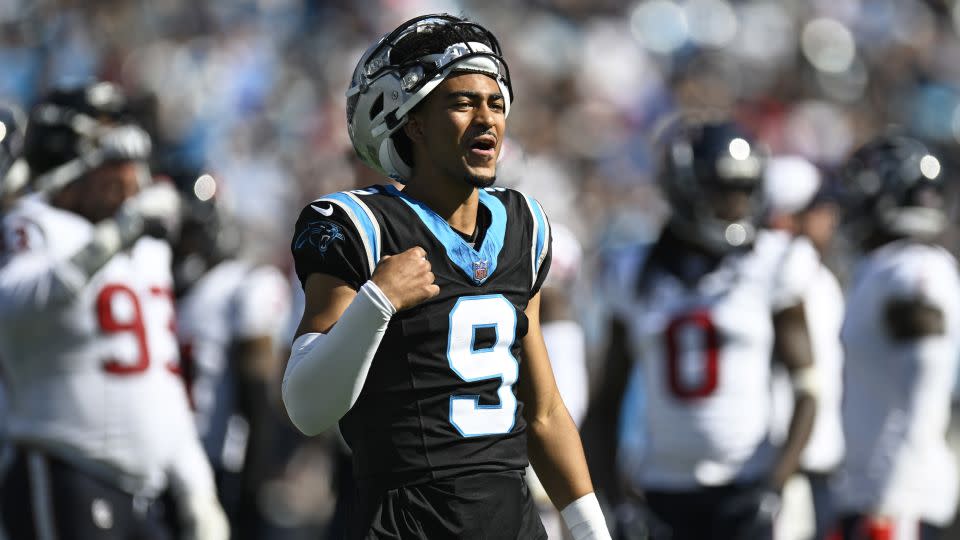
(440, 397)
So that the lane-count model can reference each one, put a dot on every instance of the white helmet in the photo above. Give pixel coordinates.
(386, 87)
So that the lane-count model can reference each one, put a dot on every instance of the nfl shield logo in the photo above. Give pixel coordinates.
(480, 270)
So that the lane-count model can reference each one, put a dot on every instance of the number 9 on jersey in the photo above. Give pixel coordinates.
(469, 314)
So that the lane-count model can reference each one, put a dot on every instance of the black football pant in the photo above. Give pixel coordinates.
(730, 512)
(43, 498)
(491, 506)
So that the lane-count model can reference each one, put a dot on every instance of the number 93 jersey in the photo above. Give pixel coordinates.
(440, 397)
(703, 354)
(90, 370)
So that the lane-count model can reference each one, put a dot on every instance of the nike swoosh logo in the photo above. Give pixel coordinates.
(328, 211)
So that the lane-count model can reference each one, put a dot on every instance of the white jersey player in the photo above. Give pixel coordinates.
(901, 336)
(705, 355)
(797, 203)
(897, 401)
(99, 421)
(230, 313)
(233, 302)
(86, 377)
(698, 316)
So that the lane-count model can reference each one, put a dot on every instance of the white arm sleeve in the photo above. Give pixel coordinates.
(326, 372)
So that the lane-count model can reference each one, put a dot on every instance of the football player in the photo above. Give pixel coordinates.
(228, 313)
(697, 317)
(100, 424)
(421, 332)
(901, 337)
(797, 203)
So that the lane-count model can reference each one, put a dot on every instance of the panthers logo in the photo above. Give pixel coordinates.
(320, 235)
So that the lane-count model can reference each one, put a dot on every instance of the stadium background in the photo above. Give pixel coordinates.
(252, 91)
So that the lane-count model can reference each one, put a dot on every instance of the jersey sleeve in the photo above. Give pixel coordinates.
(326, 241)
(934, 282)
(544, 271)
(541, 248)
(795, 273)
(32, 272)
(19, 235)
(261, 306)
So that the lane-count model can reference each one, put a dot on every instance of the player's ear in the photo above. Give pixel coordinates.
(414, 127)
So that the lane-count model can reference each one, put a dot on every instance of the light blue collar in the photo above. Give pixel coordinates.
(476, 264)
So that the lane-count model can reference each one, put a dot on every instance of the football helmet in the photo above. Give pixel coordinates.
(700, 162)
(13, 170)
(208, 232)
(73, 130)
(894, 185)
(401, 69)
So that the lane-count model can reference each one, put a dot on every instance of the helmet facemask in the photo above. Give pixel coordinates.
(716, 200)
(894, 186)
(70, 136)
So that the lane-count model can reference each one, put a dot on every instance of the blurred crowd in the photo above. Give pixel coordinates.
(252, 91)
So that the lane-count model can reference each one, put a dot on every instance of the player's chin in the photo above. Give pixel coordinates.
(480, 181)
(481, 176)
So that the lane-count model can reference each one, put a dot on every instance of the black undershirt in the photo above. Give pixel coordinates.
(480, 231)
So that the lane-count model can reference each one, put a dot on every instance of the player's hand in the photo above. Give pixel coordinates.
(202, 518)
(154, 211)
(405, 278)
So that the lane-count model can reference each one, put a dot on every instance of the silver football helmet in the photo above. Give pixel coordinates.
(386, 86)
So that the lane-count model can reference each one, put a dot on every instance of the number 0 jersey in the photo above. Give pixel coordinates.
(440, 397)
(89, 372)
(703, 355)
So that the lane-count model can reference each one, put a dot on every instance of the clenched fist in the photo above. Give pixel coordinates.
(406, 278)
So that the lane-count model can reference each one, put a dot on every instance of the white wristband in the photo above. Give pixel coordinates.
(585, 520)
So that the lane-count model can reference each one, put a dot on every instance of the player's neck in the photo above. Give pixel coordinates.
(456, 202)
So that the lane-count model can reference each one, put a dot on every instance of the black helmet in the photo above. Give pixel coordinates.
(894, 185)
(208, 233)
(13, 171)
(75, 129)
(701, 160)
